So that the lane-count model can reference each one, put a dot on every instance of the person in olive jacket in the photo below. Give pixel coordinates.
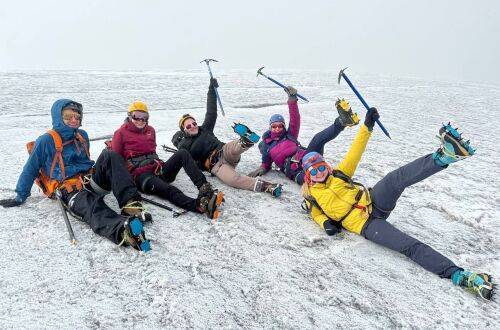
(214, 156)
(335, 201)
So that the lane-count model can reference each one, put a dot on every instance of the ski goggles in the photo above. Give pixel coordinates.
(315, 170)
(69, 116)
(140, 116)
(189, 126)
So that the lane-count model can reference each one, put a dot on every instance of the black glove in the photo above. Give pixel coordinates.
(10, 202)
(214, 83)
(331, 227)
(370, 118)
(258, 172)
(292, 93)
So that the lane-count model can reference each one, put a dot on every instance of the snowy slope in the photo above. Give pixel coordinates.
(264, 264)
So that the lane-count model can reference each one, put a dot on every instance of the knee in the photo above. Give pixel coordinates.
(110, 155)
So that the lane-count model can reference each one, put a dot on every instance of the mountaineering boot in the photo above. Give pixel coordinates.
(135, 208)
(346, 116)
(247, 137)
(453, 148)
(210, 205)
(275, 189)
(205, 189)
(477, 282)
(133, 234)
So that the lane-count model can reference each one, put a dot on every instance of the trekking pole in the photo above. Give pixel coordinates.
(279, 84)
(175, 212)
(72, 238)
(207, 62)
(343, 75)
(169, 149)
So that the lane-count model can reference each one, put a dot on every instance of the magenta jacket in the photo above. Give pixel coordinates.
(130, 142)
(285, 146)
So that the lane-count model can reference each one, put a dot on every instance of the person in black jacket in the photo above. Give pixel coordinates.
(214, 156)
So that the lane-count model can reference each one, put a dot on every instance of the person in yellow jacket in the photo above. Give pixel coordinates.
(335, 201)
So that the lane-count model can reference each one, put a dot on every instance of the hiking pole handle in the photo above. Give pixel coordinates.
(343, 75)
(283, 86)
(216, 91)
(72, 238)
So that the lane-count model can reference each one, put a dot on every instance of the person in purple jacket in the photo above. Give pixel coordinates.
(280, 145)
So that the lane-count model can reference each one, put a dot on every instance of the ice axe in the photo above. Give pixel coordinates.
(343, 75)
(207, 62)
(279, 84)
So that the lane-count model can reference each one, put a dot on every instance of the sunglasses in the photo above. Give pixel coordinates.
(189, 126)
(320, 168)
(69, 116)
(276, 126)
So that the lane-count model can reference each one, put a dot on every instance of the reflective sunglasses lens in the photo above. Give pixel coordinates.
(71, 116)
(322, 168)
(189, 126)
(314, 172)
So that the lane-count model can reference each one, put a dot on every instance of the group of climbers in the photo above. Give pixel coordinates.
(131, 165)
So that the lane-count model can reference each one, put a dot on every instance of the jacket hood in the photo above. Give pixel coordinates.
(58, 124)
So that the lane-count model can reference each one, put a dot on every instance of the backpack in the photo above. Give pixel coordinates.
(44, 180)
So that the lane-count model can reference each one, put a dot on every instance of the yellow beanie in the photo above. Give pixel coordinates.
(183, 119)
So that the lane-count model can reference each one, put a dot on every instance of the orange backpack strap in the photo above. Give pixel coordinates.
(84, 143)
(58, 156)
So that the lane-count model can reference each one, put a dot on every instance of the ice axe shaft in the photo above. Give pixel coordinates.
(72, 238)
(343, 75)
(207, 62)
(278, 83)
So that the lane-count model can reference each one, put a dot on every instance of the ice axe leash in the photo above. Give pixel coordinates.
(175, 212)
(72, 238)
(207, 62)
(343, 75)
(259, 72)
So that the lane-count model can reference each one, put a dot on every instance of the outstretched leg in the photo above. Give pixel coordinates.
(387, 191)
(151, 184)
(321, 138)
(383, 233)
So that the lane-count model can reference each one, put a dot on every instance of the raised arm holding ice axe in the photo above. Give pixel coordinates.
(207, 62)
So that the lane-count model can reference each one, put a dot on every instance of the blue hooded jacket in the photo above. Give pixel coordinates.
(74, 157)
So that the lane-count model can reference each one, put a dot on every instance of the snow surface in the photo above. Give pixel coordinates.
(264, 264)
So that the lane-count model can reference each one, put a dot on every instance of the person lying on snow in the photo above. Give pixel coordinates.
(135, 141)
(81, 182)
(214, 156)
(335, 201)
(280, 145)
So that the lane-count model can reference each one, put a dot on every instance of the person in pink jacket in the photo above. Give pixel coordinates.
(135, 141)
(280, 145)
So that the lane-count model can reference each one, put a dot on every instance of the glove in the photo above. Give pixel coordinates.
(331, 227)
(258, 172)
(292, 93)
(214, 83)
(370, 118)
(10, 202)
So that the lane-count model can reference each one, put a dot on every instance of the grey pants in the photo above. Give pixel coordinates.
(384, 196)
(225, 168)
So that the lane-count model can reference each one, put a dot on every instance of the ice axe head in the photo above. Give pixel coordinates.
(341, 73)
(209, 60)
(260, 71)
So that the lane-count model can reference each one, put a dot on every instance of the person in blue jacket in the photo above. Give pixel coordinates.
(82, 182)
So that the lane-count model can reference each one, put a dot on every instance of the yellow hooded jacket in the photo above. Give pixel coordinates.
(336, 197)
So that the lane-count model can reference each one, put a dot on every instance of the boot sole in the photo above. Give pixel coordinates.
(136, 229)
(218, 202)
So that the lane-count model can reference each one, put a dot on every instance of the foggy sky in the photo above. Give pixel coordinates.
(453, 40)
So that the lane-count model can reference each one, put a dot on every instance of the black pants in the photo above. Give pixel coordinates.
(160, 186)
(110, 173)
